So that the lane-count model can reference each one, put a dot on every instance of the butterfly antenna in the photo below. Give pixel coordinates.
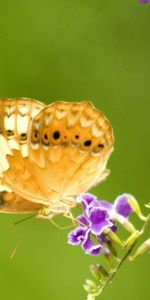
(23, 220)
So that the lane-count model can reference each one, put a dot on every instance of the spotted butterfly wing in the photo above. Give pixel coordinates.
(15, 118)
(66, 151)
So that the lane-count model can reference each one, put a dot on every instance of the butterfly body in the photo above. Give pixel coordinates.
(49, 154)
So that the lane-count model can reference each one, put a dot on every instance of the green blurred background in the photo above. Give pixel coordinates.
(78, 50)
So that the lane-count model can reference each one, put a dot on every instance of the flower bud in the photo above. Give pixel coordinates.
(141, 250)
(132, 239)
(109, 260)
(113, 236)
(111, 248)
(126, 224)
(87, 288)
(89, 285)
(95, 271)
(135, 206)
(103, 271)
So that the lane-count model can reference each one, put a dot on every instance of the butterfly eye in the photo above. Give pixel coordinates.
(35, 136)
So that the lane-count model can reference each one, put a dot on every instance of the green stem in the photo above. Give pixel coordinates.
(111, 277)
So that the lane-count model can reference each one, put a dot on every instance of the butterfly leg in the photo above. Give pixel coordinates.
(48, 213)
(74, 220)
(68, 214)
(60, 227)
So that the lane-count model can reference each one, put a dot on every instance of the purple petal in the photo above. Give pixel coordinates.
(121, 206)
(113, 227)
(96, 250)
(99, 219)
(105, 205)
(83, 221)
(86, 197)
(101, 238)
(76, 236)
(89, 247)
(86, 200)
(144, 1)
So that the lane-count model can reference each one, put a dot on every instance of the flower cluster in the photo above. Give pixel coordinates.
(96, 233)
(99, 217)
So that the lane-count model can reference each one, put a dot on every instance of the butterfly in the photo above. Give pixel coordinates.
(49, 154)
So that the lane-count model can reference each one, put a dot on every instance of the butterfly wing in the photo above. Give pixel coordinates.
(13, 203)
(15, 118)
(49, 155)
(69, 146)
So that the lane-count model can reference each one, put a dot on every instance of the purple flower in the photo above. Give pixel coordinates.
(144, 1)
(77, 235)
(97, 216)
(89, 247)
(121, 206)
(99, 220)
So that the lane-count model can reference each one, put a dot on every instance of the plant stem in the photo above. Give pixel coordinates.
(111, 277)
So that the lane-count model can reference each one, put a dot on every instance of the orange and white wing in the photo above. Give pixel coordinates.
(15, 118)
(69, 146)
(49, 154)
